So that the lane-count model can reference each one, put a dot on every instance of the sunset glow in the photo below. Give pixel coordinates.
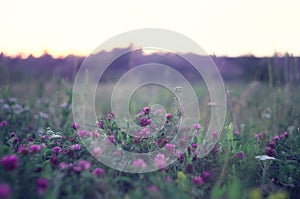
(221, 27)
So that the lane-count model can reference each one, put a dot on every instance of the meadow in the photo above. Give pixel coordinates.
(42, 153)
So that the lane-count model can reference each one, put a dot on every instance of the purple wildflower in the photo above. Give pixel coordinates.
(146, 111)
(270, 151)
(276, 138)
(69, 152)
(205, 175)
(9, 162)
(170, 148)
(75, 126)
(54, 159)
(76, 147)
(14, 140)
(3, 123)
(110, 116)
(196, 126)
(271, 144)
(240, 155)
(160, 161)
(56, 150)
(257, 136)
(82, 165)
(22, 149)
(63, 165)
(73, 139)
(139, 163)
(144, 122)
(214, 134)
(153, 188)
(145, 132)
(98, 172)
(100, 124)
(35, 148)
(198, 180)
(179, 154)
(236, 132)
(12, 134)
(83, 133)
(41, 185)
(214, 150)
(162, 142)
(95, 134)
(5, 190)
(111, 138)
(97, 151)
(169, 116)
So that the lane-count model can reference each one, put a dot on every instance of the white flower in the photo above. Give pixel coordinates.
(212, 104)
(264, 157)
(266, 115)
(55, 137)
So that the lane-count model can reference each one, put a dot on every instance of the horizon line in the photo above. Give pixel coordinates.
(23, 55)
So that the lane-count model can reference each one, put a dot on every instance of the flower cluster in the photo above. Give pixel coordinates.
(271, 144)
(86, 134)
(105, 122)
(200, 180)
(80, 166)
(144, 118)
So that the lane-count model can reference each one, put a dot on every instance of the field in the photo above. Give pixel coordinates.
(44, 154)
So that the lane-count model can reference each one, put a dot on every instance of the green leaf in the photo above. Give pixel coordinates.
(218, 191)
(234, 189)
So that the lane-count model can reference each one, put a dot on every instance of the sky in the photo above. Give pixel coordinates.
(220, 27)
